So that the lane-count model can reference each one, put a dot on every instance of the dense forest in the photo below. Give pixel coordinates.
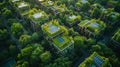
(59, 33)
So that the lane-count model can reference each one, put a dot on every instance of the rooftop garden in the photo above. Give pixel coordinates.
(61, 41)
(95, 60)
(38, 16)
(47, 3)
(116, 37)
(61, 8)
(94, 26)
(72, 18)
(52, 28)
(23, 7)
(15, 1)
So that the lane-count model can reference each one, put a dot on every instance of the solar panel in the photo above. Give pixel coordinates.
(98, 61)
(61, 39)
(53, 28)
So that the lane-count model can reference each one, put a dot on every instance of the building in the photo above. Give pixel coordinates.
(37, 18)
(22, 7)
(115, 41)
(72, 19)
(91, 28)
(116, 36)
(54, 33)
(95, 60)
(52, 29)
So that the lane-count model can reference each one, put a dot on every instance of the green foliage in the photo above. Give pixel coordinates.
(61, 62)
(4, 34)
(13, 50)
(6, 13)
(25, 39)
(17, 29)
(25, 52)
(45, 57)
(35, 36)
(3, 55)
(80, 42)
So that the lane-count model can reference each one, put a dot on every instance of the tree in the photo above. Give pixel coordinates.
(11, 21)
(114, 61)
(26, 52)
(17, 29)
(13, 50)
(22, 63)
(80, 42)
(45, 57)
(61, 62)
(25, 39)
(35, 36)
(36, 52)
(4, 34)
(6, 13)
(3, 55)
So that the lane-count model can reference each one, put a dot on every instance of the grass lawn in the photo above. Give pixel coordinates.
(61, 41)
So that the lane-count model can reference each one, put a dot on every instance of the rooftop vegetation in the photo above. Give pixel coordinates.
(117, 36)
(91, 61)
(38, 15)
(62, 41)
(94, 26)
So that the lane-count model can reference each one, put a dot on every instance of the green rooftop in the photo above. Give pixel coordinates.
(94, 26)
(52, 28)
(95, 60)
(15, 1)
(61, 8)
(61, 41)
(117, 36)
(23, 7)
(37, 16)
(47, 3)
(72, 18)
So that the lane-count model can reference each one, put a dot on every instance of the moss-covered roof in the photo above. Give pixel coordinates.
(72, 18)
(61, 41)
(94, 26)
(96, 60)
(23, 7)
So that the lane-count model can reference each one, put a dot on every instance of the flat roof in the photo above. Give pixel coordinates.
(94, 59)
(61, 41)
(22, 4)
(72, 17)
(94, 26)
(37, 15)
(15, 0)
(51, 28)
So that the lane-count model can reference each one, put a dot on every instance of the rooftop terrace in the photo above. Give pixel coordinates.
(95, 60)
(73, 18)
(37, 16)
(23, 7)
(48, 3)
(15, 1)
(94, 26)
(61, 41)
(52, 28)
